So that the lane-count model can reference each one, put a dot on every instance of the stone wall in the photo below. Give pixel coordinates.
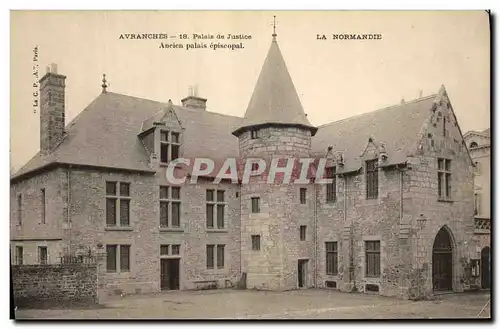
(48, 284)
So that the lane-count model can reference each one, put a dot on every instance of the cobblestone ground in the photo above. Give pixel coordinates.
(248, 304)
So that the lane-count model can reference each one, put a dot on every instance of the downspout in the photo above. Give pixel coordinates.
(401, 172)
(315, 211)
(351, 237)
(68, 212)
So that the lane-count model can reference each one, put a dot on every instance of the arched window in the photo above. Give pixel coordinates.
(472, 145)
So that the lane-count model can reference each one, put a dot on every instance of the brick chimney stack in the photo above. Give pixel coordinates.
(52, 116)
(193, 101)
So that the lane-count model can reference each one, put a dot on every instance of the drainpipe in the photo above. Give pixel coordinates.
(351, 237)
(315, 198)
(68, 212)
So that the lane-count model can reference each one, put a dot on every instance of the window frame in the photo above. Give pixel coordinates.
(332, 254)
(169, 144)
(20, 209)
(118, 199)
(210, 259)
(169, 201)
(118, 263)
(218, 206)
(43, 203)
(255, 239)
(331, 188)
(303, 195)
(19, 255)
(371, 178)
(255, 207)
(303, 232)
(444, 179)
(373, 252)
(42, 261)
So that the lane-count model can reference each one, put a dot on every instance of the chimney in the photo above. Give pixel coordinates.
(52, 121)
(192, 101)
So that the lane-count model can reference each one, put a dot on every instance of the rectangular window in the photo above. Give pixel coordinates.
(175, 152)
(444, 178)
(210, 216)
(210, 256)
(303, 229)
(124, 212)
(42, 202)
(164, 152)
(303, 193)
(111, 212)
(176, 193)
(220, 255)
(371, 179)
(220, 216)
(124, 189)
(124, 258)
(176, 249)
(255, 134)
(256, 242)
(331, 188)
(118, 205)
(20, 210)
(476, 203)
(372, 250)
(19, 255)
(176, 214)
(170, 206)
(111, 257)
(175, 138)
(169, 147)
(255, 205)
(331, 258)
(210, 195)
(42, 255)
(111, 188)
(164, 250)
(163, 213)
(215, 201)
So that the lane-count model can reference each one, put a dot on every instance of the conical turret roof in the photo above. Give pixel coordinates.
(274, 100)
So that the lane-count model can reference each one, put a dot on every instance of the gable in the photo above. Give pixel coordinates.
(441, 134)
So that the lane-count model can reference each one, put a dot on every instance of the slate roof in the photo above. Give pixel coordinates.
(397, 127)
(274, 99)
(105, 134)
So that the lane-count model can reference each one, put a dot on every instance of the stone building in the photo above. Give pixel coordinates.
(396, 219)
(479, 144)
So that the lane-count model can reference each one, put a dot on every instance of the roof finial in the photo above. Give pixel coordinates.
(274, 28)
(104, 85)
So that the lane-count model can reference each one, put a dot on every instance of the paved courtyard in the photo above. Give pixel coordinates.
(249, 304)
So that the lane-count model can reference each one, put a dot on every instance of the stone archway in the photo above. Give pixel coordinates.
(485, 268)
(442, 261)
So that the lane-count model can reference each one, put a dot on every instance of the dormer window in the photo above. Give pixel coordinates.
(254, 134)
(169, 146)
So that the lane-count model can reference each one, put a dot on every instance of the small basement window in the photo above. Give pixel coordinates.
(371, 287)
(331, 284)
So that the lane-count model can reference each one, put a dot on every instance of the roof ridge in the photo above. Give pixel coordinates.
(379, 110)
(183, 108)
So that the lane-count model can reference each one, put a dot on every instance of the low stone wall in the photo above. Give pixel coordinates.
(61, 284)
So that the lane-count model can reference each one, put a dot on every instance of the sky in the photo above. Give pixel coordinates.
(335, 79)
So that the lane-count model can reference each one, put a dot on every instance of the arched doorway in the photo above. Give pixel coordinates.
(442, 261)
(485, 268)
